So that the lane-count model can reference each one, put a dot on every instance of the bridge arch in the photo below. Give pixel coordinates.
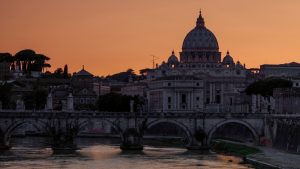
(242, 122)
(14, 124)
(116, 125)
(185, 128)
(38, 125)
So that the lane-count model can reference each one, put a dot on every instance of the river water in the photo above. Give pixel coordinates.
(99, 153)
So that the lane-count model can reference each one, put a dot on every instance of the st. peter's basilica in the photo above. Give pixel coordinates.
(199, 80)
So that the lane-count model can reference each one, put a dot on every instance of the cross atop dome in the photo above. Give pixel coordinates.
(200, 45)
(200, 20)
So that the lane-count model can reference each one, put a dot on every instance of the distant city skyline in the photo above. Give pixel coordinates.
(112, 36)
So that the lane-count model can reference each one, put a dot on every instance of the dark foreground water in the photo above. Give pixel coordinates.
(99, 153)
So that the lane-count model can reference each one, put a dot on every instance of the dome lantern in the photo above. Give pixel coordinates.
(200, 21)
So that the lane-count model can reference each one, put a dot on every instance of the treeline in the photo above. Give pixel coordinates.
(128, 76)
(59, 73)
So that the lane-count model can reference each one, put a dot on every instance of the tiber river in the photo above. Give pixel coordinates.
(100, 153)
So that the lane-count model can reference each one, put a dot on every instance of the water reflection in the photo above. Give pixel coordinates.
(98, 153)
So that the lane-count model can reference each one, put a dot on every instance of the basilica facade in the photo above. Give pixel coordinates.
(199, 80)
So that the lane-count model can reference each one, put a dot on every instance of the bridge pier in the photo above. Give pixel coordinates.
(4, 142)
(62, 141)
(198, 141)
(131, 140)
(6, 132)
(62, 134)
(195, 145)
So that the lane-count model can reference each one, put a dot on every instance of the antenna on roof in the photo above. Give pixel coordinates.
(154, 58)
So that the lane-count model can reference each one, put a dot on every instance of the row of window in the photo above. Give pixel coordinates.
(86, 100)
(201, 66)
(183, 106)
(170, 84)
(183, 99)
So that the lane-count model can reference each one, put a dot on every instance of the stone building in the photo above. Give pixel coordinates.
(262, 104)
(100, 88)
(82, 84)
(199, 80)
(134, 89)
(287, 101)
(296, 82)
(281, 70)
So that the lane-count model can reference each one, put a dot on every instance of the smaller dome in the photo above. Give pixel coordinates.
(239, 65)
(228, 60)
(173, 59)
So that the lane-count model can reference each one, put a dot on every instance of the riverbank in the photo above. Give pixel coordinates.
(275, 159)
(232, 148)
(260, 157)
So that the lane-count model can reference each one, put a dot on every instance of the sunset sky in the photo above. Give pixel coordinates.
(109, 36)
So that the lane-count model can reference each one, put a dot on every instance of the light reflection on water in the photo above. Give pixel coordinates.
(99, 153)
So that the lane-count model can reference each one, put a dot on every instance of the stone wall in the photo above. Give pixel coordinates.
(288, 136)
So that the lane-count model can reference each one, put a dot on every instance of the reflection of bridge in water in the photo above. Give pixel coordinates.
(199, 128)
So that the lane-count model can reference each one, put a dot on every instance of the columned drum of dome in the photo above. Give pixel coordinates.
(200, 45)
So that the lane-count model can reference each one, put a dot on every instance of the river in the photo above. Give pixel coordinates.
(100, 153)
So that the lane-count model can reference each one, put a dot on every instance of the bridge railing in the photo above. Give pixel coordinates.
(98, 114)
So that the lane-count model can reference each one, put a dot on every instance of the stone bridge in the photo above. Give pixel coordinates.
(199, 128)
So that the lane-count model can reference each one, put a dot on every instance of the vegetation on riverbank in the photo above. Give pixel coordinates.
(233, 148)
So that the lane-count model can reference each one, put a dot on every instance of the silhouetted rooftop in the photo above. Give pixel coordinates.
(83, 72)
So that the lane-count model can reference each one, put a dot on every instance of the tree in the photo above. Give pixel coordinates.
(265, 87)
(25, 57)
(40, 62)
(47, 65)
(6, 57)
(123, 76)
(66, 72)
(31, 61)
(114, 102)
(35, 99)
(5, 95)
(6, 61)
(58, 73)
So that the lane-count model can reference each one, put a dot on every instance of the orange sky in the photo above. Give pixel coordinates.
(108, 36)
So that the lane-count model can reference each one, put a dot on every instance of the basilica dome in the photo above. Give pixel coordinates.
(200, 38)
